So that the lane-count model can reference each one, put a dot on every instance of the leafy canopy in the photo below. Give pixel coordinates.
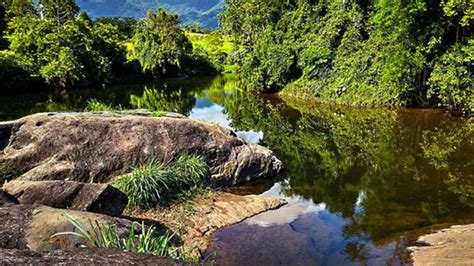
(161, 45)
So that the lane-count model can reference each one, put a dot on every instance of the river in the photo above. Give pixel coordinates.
(361, 184)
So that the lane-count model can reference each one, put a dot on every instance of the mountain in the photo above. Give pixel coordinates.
(202, 12)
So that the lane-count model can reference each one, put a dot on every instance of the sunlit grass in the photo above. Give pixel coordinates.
(204, 41)
(103, 235)
(97, 106)
(158, 183)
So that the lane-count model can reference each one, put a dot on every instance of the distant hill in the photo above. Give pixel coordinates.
(202, 12)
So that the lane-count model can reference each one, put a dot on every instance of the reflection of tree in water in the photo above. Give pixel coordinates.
(331, 154)
(180, 101)
(356, 252)
(180, 96)
(450, 151)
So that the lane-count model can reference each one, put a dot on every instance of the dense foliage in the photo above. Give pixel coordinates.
(380, 52)
(161, 44)
(56, 44)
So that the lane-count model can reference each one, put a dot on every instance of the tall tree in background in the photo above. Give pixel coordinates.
(64, 49)
(161, 45)
(59, 10)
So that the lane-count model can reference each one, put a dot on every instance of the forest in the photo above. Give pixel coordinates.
(61, 46)
(379, 53)
(367, 53)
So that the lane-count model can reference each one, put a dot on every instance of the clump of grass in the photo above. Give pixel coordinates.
(8, 171)
(103, 235)
(158, 114)
(97, 106)
(158, 183)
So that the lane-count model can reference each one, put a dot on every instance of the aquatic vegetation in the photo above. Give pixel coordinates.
(159, 183)
(103, 235)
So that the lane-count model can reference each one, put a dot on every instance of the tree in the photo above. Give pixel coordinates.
(364, 53)
(78, 54)
(126, 26)
(59, 10)
(161, 45)
(21, 8)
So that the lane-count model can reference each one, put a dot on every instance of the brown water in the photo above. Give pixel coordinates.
(362, 185)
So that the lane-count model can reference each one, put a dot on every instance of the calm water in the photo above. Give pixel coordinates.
(361, 184)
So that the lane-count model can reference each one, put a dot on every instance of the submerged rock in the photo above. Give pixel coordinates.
(98, 198)
(96, 147)
(452, 246)
(98, 256)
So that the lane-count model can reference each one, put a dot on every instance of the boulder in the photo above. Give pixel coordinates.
(99, 256)
(451, 246)
(98, 198)
(7, 199)
(96, 147)
(33, 227)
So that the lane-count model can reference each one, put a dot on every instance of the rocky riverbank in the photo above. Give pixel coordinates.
(61, 163)
(451, 246)
(96, 147)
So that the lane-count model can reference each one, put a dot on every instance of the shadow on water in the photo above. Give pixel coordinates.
(362, 185)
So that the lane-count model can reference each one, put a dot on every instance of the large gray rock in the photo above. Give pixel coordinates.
(98, 198)
(98, 256)
(451, 246)
(96, 147)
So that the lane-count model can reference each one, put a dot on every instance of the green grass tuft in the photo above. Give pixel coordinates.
(158, 183)
(8, 171)
(102, 235)
(158, 114)
(97, 106)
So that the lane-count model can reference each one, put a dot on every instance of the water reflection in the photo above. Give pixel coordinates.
(360, 183)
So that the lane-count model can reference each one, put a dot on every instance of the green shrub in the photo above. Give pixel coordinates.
(158, 183)
(102, 235)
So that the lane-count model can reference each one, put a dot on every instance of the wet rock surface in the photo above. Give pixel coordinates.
(98, 198)
(452, 246)
(82, 257)
(96, 147)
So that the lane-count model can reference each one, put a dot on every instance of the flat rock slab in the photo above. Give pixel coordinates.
(83, 257)
(452, 246)
(33, 227)
(98, 198)
(96, 147)
(203, 216)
